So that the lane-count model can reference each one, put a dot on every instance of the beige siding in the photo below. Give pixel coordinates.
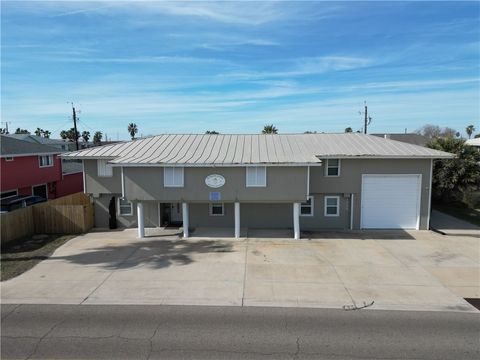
(350, 180)
(283, 184)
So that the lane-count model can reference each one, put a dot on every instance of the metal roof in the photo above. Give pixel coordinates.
(15, 147)
(207, 149)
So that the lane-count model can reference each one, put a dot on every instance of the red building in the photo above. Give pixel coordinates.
(35, 169)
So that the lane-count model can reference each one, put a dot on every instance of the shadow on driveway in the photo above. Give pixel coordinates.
(359, 235)
(155, 254)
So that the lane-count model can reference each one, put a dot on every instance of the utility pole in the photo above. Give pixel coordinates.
(367, 119)
(74, 116)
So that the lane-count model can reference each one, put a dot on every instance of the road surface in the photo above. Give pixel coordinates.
(196, 332)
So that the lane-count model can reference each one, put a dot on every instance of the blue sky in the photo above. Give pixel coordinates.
(187, 67)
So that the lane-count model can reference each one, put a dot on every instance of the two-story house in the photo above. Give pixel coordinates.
(31, 168)
(295, 181)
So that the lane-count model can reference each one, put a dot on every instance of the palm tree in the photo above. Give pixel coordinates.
(64, 134)
(348, 130)
(86, 136)
(470, 129)
(269, 129)
(132, 129)
(38, 132)
(46, 134)
(97, 138)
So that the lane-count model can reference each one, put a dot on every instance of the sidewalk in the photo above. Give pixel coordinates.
(451, 225)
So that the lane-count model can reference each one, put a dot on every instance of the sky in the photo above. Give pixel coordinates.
(233, 67)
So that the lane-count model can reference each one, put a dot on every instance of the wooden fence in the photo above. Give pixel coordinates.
(72, 214)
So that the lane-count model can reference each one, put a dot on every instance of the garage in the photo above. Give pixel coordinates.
(390, 201)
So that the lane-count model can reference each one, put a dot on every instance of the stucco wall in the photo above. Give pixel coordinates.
(150, 210)
(350, 180)
(320, 221)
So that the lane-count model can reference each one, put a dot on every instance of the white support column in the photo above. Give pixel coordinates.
(185, 219)
(296, 221)
(237, 220)
(141, 227)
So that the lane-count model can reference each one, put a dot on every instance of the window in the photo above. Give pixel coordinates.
(333, 167)
(104, 169)
(9, 194)
(217, 210)
(45, 160)
(125, 207)
(173, 177)
(332, 205)
(9, 158)
(306, 208)
(256, 176)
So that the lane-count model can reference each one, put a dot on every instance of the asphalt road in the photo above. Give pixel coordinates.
(189, 332)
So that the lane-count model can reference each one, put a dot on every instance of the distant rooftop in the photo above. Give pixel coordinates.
(10, 146)
(410, 138)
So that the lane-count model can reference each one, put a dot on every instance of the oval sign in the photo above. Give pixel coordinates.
(215, 181)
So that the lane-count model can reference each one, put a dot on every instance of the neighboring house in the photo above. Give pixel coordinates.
(474, 142)
(414, 139)
(30, 168)
(56, 143)
(296, 181)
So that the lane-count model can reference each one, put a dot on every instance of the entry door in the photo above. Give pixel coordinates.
(175, 212)
(390, 201)
(40, 190)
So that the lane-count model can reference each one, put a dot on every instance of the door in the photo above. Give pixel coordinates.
(176, 212)
(40, 190)
(390, 201)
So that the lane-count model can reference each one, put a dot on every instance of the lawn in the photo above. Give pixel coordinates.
(460, 211)
(24, 254)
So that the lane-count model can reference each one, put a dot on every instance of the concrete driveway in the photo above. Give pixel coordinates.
(416, 270)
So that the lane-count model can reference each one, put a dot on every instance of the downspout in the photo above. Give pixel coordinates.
(308, 181)
(123, 182)
(429, 195)
(352, 195)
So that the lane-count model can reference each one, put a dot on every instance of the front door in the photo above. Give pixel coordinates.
(175, 212)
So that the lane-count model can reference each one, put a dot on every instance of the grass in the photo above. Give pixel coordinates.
(24, 254)
(459, 210)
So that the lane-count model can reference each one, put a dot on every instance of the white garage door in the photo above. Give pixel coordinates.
(390, 201)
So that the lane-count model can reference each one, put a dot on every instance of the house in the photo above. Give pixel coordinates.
(474, 142)
(56, 143)
(409, 138)
(31, 168)
(295, 181)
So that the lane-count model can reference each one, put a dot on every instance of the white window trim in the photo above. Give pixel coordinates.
(108, 169)
(118, 208)
(44, 166)
(312, 207)
(211, 205)
(339, 168)
(325, 206)
(255, 167)
(165, 176)
(9, 158)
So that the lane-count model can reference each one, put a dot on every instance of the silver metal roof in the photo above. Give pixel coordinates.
(206, 149)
